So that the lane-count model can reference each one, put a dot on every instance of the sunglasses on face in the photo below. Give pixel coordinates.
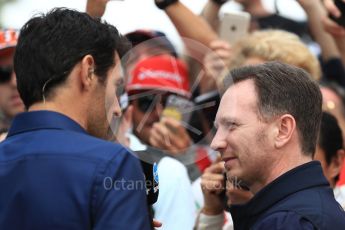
(5, 74)
(149, 102)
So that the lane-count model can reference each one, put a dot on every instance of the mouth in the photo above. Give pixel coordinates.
(228, 162)
(16, 100)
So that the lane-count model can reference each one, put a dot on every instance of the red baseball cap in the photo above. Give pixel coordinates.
(8, 39)
(163, 73)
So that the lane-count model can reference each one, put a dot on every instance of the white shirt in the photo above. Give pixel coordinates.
(175, 207)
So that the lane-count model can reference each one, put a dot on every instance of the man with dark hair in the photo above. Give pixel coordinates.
(267, 126)
(54, 173)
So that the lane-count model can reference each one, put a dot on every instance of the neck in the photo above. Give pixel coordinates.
(256, 9)
(287, 162)
(62, 108)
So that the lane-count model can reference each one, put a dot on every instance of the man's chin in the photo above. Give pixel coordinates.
(101, 132)
(13, 110)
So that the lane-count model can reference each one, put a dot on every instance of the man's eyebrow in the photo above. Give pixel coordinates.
(224, 120)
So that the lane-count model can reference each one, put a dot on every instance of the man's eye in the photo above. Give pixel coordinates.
(230, 125)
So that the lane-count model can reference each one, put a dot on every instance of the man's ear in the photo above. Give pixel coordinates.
(87, 71)
(336, 163)
(285, 127)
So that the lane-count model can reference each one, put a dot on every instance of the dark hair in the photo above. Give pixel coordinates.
(283, 88)
(330, 138)
(50, 45)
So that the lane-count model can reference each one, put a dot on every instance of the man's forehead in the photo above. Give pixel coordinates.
(241, 95)
(244, 90)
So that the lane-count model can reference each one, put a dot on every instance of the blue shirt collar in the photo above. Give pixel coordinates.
(35, 120)
(305, 176)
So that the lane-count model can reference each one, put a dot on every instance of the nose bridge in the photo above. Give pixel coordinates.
(218, 140)
(159, 108)
(13, 79)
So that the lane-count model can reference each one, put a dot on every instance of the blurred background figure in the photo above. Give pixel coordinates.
(150, 83)
(10, 102)
(330, 152)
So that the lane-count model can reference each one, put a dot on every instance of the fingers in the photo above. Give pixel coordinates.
(212, 187)
(332, 27)
(156, 223)
(331, 8)
(217, 167)
(219, 44)
(212, 180)
(162, 137)
(159, 136)
(213, 176)
(96, 8)
(216, 60)
(177, 134)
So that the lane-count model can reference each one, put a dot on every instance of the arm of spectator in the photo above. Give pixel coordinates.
(188, 24)
(215, 62)
(96, 8)
(332, 9)
(315, 13)
(330, 26)
(210, 13)
(170, 135)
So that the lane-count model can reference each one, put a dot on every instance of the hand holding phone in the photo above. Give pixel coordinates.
(178, 108)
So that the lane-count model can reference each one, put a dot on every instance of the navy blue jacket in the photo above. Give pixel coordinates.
(53, 175)
(299, 199)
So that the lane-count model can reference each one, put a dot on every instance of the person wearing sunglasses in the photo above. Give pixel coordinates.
(10, 102)
(151, 81)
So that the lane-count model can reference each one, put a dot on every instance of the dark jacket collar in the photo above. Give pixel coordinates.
(29, 121)
(302, 177)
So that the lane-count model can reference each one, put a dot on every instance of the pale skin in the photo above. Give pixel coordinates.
(277, 148)
(163, 133)
(215, 63)
(212, 185)
(96, 8)
(337, 31)
(10, 102)
(170, 135)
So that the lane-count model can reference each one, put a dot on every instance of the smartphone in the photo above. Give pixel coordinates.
(341, 6)
(178, 108)
(234, 26)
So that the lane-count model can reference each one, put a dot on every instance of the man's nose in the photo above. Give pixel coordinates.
(13, 80)
(218, 143)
